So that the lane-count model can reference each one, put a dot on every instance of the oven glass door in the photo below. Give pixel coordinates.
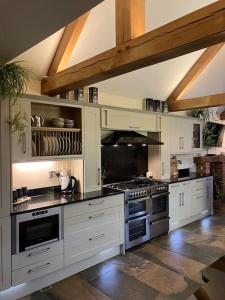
(137, 231)
(37, 232)
(159, 206)
(137, 207)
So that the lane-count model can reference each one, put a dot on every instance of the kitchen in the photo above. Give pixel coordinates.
(86, 183)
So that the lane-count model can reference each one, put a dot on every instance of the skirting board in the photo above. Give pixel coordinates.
(190, 220)
(40, 283)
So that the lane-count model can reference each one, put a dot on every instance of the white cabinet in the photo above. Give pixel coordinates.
(21, 144)
(127, 120)
(181, 135)
(93, 226)
(92, 144)
(5, 253)
(190, 200)
(165, 148)
(5, 159)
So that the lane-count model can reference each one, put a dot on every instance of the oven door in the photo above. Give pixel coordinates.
(159, 206)
(137, 207)
(38, 231)
(137, 231)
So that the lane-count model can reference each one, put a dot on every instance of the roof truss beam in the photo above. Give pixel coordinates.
(197, 30)
(130, 19)
(67, 44)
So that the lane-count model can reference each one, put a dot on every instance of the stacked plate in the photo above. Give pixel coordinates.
(68, 123)
(58, 122)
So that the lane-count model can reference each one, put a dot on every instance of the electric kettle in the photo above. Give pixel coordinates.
(68, 184)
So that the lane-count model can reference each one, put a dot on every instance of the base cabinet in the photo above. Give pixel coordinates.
(190, 199)
(94, 227)
(5, 253)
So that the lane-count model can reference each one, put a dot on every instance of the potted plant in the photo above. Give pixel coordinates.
(13, 83)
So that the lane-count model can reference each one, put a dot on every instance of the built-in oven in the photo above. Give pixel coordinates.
(36, 228)
(137, 231)
(137, 207)
(159, 206)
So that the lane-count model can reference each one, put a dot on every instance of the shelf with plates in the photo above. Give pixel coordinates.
(51, 141)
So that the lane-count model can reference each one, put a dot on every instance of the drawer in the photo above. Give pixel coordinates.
(173, 188)
(100, 218)
(36, 255)
(89, 207)
(87, 243)
(37, 270)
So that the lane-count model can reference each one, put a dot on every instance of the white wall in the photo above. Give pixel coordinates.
(36, 174)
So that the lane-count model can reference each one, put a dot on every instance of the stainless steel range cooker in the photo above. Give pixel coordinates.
(146, 209)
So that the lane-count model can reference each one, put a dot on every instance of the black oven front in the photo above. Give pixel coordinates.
(38, 228)
(159, 206)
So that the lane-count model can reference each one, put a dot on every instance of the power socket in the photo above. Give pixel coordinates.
(53, 174)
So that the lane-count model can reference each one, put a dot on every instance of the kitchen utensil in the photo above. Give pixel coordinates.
(37, 121)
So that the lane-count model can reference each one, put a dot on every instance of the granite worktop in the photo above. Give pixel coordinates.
(58, 199)
(180, 179)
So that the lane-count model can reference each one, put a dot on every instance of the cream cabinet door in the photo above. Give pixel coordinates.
(5, 253)
(126, 120)
(165, 149)
(5, 159)
(92, 149)
(21, 146)
(181, 135)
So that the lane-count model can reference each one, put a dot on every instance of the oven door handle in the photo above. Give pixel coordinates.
(138, 219)
(160, 195)
(138, 200)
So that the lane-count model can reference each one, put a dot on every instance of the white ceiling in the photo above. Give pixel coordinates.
(157, 81)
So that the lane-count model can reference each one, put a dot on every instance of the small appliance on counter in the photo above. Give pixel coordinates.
(69, 184)
(173, 166)
(20, 196)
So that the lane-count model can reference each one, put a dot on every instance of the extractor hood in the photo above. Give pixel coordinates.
(129, 137)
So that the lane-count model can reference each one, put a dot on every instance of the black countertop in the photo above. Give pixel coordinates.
(58, 199)
(180, 179)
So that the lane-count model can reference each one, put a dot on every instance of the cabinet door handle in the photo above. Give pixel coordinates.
(39, 268)
(173, 186)
(182, 199)
(179, 199)
(182, 142)
(163, 168)
(96, 216)
(96, 237)
(98, 176)
(96, 203)
(24, 143)
(105, 117)
(39, 252)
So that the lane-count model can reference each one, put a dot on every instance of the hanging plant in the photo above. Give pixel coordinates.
(13, 83)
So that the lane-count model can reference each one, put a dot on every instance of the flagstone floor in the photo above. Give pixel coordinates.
(164, 269)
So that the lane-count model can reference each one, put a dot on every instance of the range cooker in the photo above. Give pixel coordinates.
(146, 209)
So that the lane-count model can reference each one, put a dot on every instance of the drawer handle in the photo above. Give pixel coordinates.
(96, 216)
(198, 197)
(200, 189)
(173, 186)
(97, 237)
(96, 203)
(39, 268)
(39, 252)
(134, 127)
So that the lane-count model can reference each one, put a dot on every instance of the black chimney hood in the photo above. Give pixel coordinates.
(129, 137)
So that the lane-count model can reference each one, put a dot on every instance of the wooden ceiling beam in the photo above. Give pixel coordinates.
(197, 30)
(130, 19)
(67, 44)
(199, 102)
(195, 71)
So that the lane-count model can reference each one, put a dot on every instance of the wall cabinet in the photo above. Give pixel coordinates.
(181, 135)
(189, 199)
(92, 144)
(21, 145)
(5, 253)
(126, 120)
